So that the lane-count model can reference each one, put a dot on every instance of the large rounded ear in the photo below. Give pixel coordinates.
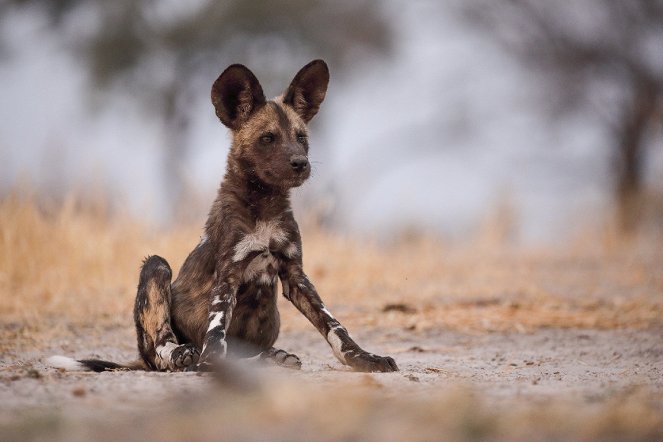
(236, 94)
(308, 89)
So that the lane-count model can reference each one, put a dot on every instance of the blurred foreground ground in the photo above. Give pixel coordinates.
(494, 342)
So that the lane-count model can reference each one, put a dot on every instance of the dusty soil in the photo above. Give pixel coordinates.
(490, 377)
(494, 342)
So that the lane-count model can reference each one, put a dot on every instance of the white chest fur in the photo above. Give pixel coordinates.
(267, 237)
(265, 233)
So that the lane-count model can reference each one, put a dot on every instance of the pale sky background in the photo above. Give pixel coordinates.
(434, 136)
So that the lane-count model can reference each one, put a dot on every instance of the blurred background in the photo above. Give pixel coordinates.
(534, 120)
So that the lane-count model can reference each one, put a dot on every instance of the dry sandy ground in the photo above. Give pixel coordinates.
(493, 342)
(569, 383)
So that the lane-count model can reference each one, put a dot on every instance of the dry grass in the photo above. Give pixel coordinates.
(80, 265)
(75, 266)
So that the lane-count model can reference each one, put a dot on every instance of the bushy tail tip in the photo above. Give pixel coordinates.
(70, 364)
(65, 363)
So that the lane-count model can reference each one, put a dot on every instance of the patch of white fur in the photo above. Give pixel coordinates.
(267, 279)
(224, 348)
(216, 300)
(203, 241)
(217, 317)
(259, 239)
(336, 344)
(291, 250)
(164, 359)
(327, 312)
(257, 269)
(65, 363)
(165, 351)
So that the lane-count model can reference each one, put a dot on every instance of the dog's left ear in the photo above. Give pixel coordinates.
(308, 89)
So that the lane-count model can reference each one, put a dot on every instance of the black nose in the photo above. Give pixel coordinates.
(299, 163)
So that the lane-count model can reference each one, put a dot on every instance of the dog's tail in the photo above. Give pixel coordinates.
(71, 364)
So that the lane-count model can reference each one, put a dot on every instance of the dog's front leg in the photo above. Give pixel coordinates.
(301, 292)
(223, 298)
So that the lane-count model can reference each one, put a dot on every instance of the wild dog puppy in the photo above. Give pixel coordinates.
(224, 299)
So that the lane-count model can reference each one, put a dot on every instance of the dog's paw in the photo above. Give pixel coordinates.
(202, 366)
(282, 358)
(184, 356)
(368, 362)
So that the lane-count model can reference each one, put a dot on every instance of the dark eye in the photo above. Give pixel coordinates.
(267, 138)
(301, 138)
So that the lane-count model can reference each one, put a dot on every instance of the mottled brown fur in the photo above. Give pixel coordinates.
(224, 299)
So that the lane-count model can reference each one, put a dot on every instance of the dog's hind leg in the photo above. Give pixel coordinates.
(157, 344)
(282, 358)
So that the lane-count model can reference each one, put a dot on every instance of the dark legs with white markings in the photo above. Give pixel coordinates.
(223, 299)
(157, 344)
(299, 290)
(257, 324)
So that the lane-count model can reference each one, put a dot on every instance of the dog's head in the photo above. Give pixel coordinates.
(270, 138)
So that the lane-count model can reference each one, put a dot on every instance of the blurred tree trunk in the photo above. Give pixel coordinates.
(617, 60)
(134, 41)
(176, 122)
(174, 136)
(631, 137)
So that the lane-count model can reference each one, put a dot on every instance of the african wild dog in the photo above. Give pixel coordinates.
(224, 299)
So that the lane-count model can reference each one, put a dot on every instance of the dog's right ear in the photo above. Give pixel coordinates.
(236, 94)
(308, 89)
